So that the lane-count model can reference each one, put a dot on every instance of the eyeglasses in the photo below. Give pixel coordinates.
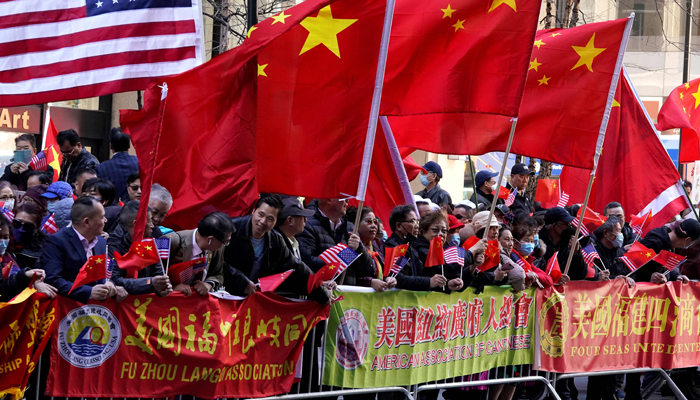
(411, 221)
(460, 217)
(157, 214)
(438, 230)
(67, 153)
(226, 243)
(135, 188)
(5, 198)
(17, 224)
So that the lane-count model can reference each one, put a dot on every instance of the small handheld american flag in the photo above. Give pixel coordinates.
(340, 255)
(163, 246)
(7, 213)
(50, 226)
(669, 260)
(110, 268)
(563, 200)
(193, 270)
(455, 255)
(38, 162)
(584, 231)
(398, 265)
(511, 197)
(589, 254)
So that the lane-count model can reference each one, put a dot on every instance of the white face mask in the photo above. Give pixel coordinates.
(10, 204)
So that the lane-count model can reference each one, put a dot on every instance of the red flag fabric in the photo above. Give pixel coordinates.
(591, 272)
(94, 269)
(272, 282)
(669, 260)
(315, 88)
(141, 254)
(591, 220)
(554, 270)
(50, 146)
(572, 72)
(637, 255)
(470, 242)
(326, 273)
(436, 51)
(492, 256)
(391, 254)
(436, 255)
(196, 132)
(632, 153)
(680, 110)
(548, 192)
(503, 192)
(641, 223)
(184, 271)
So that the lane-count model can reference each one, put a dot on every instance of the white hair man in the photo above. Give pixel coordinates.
(160, 202)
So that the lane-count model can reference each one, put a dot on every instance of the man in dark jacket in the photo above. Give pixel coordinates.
(292, 222)
(520, 175)
(258, 251)
(18, 173)
(151, 279)
(432, 190)
(75, 156)
(667, 239)
(614, 209)
(485, 188)
(121, 165)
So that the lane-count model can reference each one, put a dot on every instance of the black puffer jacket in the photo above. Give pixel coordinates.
(437, 195)
(277, 258)
(318, 237)
(486, 199)
(657, 240)
(610, 258)
(70, 169)
(578, 269)
(411, 276)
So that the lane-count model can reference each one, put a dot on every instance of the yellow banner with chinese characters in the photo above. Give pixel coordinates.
(597, 326)
(151, 346)
(25, 330)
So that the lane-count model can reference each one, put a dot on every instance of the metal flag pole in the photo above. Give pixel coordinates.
(601, 133)
(514, 122)
(374, 110)
(398, 163)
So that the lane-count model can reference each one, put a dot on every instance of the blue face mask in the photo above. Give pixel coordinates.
(384, 236)
(3, 245)
(456, 239)
(537, 240)
(424, 180)
(51, 206)
(527, 248)
(619, 239)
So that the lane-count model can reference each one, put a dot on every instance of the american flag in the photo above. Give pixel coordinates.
(511, 197)
(163, 246)
(669, 260)
(7, 213)
(74, 49)
(50, 226)
(584, 230)
(340, 255)
(589, 254)
(632, 266)
(398, 265)
(563, 200)
(38, 162)
(455, 255)
(193, 270)
(110, 268)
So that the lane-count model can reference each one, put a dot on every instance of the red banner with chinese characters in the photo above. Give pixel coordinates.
(150, 346)
(596, 326)
(25, 330)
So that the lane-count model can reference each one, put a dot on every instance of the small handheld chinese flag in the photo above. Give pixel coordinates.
(639, 223)
(492, 256)
(470, 242)
(591, 220)
(553, 268)
(391, 254)
(548, 192)
(503, 192)
(669, 260)
(326, 273)
(272, 282)
(95, 269)
(140, 255)
(436, 254)
(637, 256)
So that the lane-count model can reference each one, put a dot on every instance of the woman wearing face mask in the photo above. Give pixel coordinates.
(54, 193)
(19, 280)
(453, 238)
(432, 225)
(7, 195)
(27, 238)
(523, 246)
(367, 231)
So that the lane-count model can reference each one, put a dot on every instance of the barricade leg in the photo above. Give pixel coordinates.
(633, 381)
(491, 382)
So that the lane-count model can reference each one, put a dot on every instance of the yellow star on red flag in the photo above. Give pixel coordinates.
(323, 30)
(587, 54)
(459, 25)
(496, 3)
(447, 12)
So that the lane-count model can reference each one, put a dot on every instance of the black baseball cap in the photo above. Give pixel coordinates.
(521, 169)
(556, 214)
(691, 228)
(293, 208)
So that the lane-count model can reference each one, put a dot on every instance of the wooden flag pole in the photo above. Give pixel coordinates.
(514, 122)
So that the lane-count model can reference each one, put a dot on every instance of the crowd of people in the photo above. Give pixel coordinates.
(50, 228)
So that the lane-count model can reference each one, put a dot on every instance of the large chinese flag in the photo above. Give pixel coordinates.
(632, 153)
(466, 56)
(548, 192)
(197, 138)
(680, 110)
(315, 87)
(570, 76)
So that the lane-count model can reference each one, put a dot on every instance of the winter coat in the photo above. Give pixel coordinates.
(70, 169)
(657, 240)
(120, 241)
(437, 195)
(61, 214)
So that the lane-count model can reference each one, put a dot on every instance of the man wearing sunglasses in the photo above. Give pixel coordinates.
(75, 156)
(66, 251)
(213, 233)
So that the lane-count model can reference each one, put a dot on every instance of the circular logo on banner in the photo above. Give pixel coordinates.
(88, 336)
(351, 339)
(554, 323)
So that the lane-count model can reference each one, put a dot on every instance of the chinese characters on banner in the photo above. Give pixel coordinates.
(596, 326)
(406, 337)
(25, 330)
(151, 346)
